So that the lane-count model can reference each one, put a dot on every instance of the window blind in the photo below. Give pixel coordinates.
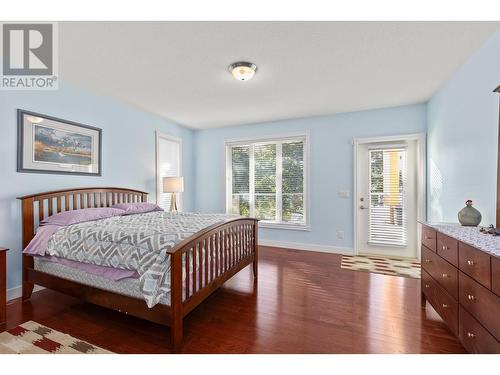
(169, 162)
(293, 182)
(240, 165)
(387, 196)
(266, 180)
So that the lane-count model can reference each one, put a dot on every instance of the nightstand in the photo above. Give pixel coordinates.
(3, 284)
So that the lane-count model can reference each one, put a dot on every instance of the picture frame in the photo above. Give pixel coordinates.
(51, 145)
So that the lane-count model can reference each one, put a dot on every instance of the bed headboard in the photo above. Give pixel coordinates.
(36, 207)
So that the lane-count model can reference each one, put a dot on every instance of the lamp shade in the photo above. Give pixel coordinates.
(173, 184)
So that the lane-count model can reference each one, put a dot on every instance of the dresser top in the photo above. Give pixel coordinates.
(470, 235)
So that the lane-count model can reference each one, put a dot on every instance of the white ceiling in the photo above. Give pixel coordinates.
(178, 70)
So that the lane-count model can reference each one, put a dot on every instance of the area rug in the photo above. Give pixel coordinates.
(34, 338)
(383, 265)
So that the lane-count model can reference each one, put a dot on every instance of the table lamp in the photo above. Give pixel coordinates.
(173, 185)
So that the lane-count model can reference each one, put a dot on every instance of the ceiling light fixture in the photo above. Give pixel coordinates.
(242, 70)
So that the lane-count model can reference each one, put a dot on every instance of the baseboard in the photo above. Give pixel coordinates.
(309, 247)
(17, 292)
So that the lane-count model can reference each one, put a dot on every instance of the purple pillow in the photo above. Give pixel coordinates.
(137, 208)
(80, 216)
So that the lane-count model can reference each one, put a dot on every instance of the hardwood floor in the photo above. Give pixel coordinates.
(303, 303)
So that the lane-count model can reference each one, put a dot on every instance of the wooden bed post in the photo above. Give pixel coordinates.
(176, 301)
(255, 248)
(28, 233)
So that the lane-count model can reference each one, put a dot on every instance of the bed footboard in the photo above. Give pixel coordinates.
(201, 264)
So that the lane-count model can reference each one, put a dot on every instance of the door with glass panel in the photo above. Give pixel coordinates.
(386, 201)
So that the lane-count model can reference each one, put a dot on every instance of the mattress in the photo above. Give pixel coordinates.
(138, 242)
(128, 287)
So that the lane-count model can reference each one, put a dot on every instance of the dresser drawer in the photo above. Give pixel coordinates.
(480, 303)
(443, 303)
(475, 263)
(447, 248)
(442, 271)
(474, 337)
(429, 238)
(495, 275)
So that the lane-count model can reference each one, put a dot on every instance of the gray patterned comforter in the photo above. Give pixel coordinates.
(134, 242)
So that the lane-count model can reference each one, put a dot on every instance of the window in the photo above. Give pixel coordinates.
(387, 184)
(266, 179)
(168, 164)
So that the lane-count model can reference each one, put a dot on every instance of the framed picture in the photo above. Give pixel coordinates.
(51, 145)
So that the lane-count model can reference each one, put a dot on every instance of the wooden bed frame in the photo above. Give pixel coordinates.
(231, 246)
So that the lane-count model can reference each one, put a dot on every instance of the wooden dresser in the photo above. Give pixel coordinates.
(462, 283)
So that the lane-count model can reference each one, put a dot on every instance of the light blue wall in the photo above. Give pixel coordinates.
(128, 154)
(461, 121)
(463, 138)
(331, 166)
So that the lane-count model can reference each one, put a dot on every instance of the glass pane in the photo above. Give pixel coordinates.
(240, 204)
(377, 171)
(265, 168)
(265, 206)
(293, 208)
(240, 156)
(387, 219)
(293, 167)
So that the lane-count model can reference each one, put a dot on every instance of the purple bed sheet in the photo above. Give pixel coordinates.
(38, 247)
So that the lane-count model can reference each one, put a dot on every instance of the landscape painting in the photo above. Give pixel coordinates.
(56, 146)
(51, 145)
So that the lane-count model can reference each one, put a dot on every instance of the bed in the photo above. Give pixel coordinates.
(199, 264)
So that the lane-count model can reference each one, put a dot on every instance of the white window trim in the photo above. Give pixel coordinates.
(228, 143)
(158, 136)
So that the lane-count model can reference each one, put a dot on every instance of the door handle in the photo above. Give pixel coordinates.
(362, 207)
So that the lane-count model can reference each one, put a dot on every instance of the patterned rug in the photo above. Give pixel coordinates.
(34, 338)
(383, 265)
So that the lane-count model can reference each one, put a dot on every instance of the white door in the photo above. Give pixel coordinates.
(386, 200)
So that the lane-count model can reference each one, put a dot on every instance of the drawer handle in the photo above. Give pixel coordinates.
(470, 335)
(445, 306)
(427, 286)
(428, 238)
(470, 262)
(445, 247)
(445, 275)
(471, 297)
(427, 260)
